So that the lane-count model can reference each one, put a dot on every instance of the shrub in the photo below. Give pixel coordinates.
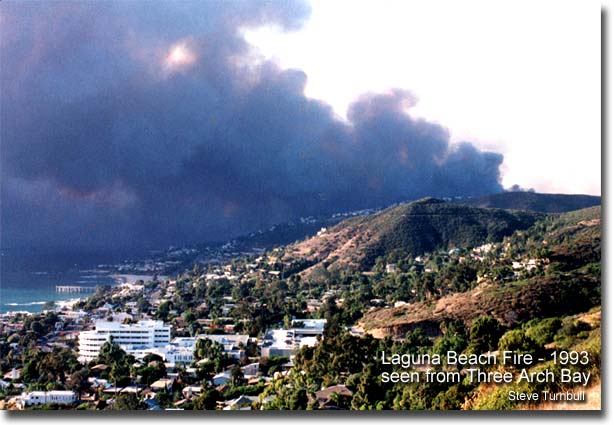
(543, 332)
(516, 340)
(484, 334)
(572, 328)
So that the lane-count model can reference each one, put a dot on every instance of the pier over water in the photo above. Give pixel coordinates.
(72, 288)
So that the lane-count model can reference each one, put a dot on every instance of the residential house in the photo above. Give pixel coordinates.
(37, 398)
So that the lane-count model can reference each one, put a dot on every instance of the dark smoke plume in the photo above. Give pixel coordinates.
(108, 141)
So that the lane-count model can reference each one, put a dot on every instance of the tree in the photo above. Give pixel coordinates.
(189, 316)
(163, 310)
(288, 393)
(270, 365)
(119, 362)
(30, 371)
(153, 371)
(517, 341)
(329, 307)
(164, 399)
(208, 400)
(78, 382)
(59, 363)
(544, 331)
(452, 399)
(236, 376)
(38, 328)
(454, 339)
(127, 401)
(110, 352)
(120, 373)
(208, 349)
(484, 334)
(152, 357)
(368, 391)
(287, 321)
(446, 343)
(143, 305)
(416, 339)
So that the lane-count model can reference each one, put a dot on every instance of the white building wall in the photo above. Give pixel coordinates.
(142, 335)
(35, 398)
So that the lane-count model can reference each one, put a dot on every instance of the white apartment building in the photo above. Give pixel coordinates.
(130, 337)
(286, 342)
(181, 349)
(171, 354)
(36, 398)
(234, 345)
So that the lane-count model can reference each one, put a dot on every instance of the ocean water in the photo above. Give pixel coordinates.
(28, 280)
(28, 290)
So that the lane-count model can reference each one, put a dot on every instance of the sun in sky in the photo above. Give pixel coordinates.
(179, 56)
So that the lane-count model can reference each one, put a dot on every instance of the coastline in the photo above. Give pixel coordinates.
(29, 291)
(33, 303)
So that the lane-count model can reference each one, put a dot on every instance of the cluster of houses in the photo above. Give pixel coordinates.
(478, 253)
(160, 262)
(91, 329)
(174, 258)
(154, 337)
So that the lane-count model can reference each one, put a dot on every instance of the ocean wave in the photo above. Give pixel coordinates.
(32, 303)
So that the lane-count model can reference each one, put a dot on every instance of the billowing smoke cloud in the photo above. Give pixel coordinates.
(143, 124)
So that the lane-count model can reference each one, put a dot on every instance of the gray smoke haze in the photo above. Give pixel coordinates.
(107, 143)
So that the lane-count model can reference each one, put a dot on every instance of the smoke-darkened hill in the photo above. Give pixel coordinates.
(409, 229)
(530, 201)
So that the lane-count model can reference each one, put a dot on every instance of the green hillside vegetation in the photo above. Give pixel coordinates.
(573, 334)
(431, 224)
(510, 304)
(568, 247)
(408, 230)
(555, 305)
(343, 359)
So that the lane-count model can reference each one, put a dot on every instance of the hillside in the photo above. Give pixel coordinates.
(409, 230)
(571, 283)
(282, 234)
(511, 305)
(530, 201)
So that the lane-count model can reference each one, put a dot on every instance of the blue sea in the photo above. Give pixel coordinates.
(28, 279)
